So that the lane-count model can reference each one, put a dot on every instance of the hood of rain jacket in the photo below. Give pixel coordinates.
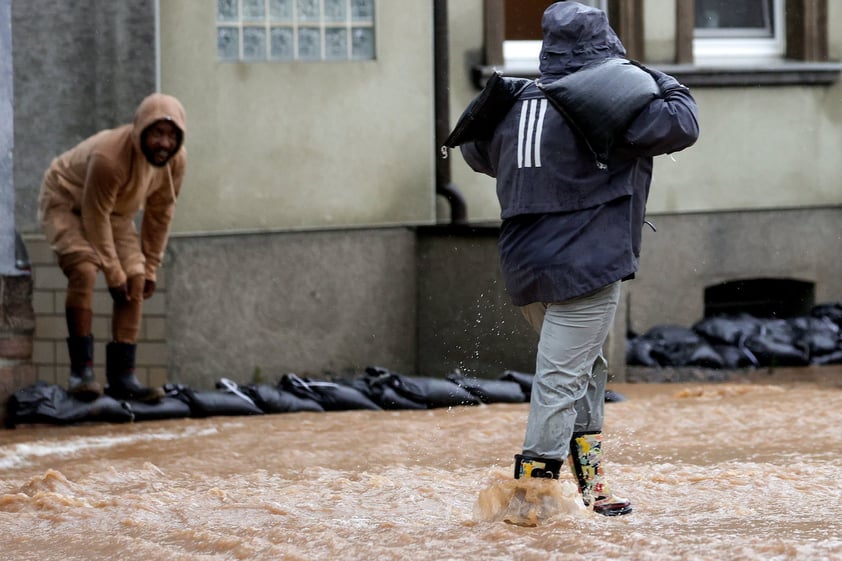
(575, 35)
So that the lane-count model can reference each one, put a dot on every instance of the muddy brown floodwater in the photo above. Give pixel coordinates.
(737, 470)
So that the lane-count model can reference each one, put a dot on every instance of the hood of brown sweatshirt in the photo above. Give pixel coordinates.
(154, 108)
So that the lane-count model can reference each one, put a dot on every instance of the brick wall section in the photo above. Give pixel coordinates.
(17, 323)
(49, 355)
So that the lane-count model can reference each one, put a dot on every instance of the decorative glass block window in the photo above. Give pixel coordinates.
(287, 30)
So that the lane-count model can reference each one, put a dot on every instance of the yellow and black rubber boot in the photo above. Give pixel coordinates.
(532, 467)
(586, 463)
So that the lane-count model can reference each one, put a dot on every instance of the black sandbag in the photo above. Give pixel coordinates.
(439, 392)
(486, 110)
(832, 311)
(51, 404)
(601, 99)
(432, 392)
(613, 397)
(736, 357)
(271, 399)
(815, 335)
(212, 403)
(639, 352)
(727, 330)
(702, 355)
(330, 395)
(489, 391)
(831, 358)
(770, 352)
(523, 379)
(673, 345)
(381, 390)
(775, 344)
(167, 408)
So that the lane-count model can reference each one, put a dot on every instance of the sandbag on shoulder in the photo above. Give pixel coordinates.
(274, 400)
(212, 403)
(330, 395)
(489, 391)
(486, 110)
(43, 403)
(601, 99)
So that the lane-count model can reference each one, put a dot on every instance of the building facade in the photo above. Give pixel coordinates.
(320, 227)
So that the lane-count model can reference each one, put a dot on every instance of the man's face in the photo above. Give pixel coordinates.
(159, 142)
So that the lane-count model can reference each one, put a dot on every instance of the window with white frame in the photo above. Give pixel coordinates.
(290, 30)
(738, 30)
(522, 54)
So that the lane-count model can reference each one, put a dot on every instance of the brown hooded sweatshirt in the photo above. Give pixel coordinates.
(91, 194)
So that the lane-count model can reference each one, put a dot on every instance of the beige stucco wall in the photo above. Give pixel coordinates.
(759, 148)
(304, 144)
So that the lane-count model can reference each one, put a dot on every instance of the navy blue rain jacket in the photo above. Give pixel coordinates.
(570, 227)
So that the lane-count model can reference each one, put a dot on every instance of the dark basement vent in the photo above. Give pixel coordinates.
(763, 298)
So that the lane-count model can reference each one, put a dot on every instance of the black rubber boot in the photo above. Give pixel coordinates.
(82, 384)
(586, 463)
(122, 383)
(528, 466)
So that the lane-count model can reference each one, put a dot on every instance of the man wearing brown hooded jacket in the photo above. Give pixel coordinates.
(89, 198)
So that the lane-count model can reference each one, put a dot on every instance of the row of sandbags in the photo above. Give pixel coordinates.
(743, 341)
(376, 389)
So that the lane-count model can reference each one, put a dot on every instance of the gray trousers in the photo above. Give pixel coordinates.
(568, 391)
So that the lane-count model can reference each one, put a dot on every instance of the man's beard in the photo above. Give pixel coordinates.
(151, 156)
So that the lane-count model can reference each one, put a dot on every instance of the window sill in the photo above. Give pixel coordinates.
(782, 73)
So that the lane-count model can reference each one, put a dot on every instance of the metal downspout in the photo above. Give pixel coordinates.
(441, 62)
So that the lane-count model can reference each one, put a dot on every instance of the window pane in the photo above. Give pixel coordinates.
(335, 10)
(254, 43)
(227, 10)
(280, 10)
(283, 47)
(309, 43)
(735, 14)
(308, 10)
(362, 10)
(228, 43)
(336, 43)
(253, 10)
(362, 46)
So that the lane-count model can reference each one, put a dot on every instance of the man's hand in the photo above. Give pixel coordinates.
(148, 289)
(666, 83)
(133, 289)
(120, 294)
